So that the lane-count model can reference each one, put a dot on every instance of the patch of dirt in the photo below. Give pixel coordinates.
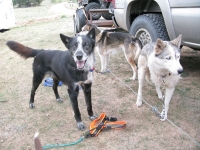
(55, 121)
(55, 12)
(62, 8)
(38, 20)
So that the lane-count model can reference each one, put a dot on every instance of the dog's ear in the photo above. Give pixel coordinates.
(85, 28)
(98, 37)
(159, 46)
(65, 39)
(97, 30)
(177, 41)
(91, 33)
(89, 27)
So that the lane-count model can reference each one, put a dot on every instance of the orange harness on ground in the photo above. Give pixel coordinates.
(104, 123)
(97, 125)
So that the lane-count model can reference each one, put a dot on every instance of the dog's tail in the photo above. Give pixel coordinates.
(37, 143)
(139, 48)
(22, 50)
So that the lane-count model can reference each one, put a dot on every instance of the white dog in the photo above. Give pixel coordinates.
(159, 62)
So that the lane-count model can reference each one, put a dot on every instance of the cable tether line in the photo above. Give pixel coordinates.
(156, 111)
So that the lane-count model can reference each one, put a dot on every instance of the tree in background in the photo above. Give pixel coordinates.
(26, 3)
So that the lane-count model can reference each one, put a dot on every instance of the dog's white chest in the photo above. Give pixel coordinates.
(90, 76)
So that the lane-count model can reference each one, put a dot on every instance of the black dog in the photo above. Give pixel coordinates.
(73, 67)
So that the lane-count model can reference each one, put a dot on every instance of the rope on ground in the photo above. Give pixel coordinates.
(156, 111)
(50, 146)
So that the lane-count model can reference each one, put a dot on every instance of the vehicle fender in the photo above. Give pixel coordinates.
(122, 16)
(166, 12)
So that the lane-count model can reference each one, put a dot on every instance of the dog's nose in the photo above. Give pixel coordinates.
(180, 71)
(79, 55)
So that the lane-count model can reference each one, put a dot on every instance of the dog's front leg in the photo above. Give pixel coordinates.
(73, 94)
(168, 96)
(86, 86)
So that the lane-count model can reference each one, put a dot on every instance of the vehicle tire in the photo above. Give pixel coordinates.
(93, 5)
(79, 20)
(148, 28)
(107, 15)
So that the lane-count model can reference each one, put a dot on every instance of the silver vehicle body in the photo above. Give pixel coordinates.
(180, 17)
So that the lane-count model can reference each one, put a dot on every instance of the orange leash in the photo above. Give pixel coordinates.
(104, 123)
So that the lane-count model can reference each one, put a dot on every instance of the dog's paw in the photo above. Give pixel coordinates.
(160, 96)
(133, 78)
(31, 105)
(59, 100)
(105, 71)
(93, 117)
(163, 116)
(139, 102)
(81, 126)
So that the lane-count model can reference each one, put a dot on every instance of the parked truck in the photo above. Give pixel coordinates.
(165, 19)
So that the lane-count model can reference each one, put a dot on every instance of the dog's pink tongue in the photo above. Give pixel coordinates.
(80, 64)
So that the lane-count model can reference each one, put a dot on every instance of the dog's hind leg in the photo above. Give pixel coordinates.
(104, 63)
(38, 75)
(107, 62)
(73, 92)
(134, 68)
(86, 86)
(55, 89)
(131, 61)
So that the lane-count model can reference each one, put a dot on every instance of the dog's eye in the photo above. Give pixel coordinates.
(168, 58)
(177, 57)
(85, 44)
(75, 45)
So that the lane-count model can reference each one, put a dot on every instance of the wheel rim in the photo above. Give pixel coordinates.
(144, 36)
